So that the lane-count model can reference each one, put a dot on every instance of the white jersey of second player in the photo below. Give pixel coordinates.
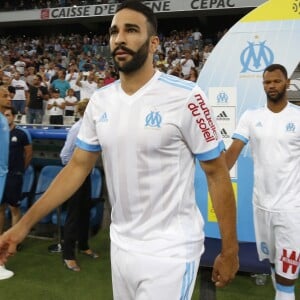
(275, 146)
(150, 141)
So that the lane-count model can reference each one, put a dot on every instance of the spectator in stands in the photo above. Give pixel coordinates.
(186, 63)
(70, 101)
(72, 76)
(55, 107)
(206, 52)
(20, 65)
(61, 83)
(197, 58)
(176, 71)
(108, 77)
(51, 71)
(4, 78)
(162, 63)
(35, 103)
(42, 70)
(197, 36)
(87, 84)
(30, 75)
(100, 82)
(113, 71)
(193, 76)
(21, 95)
(10, 71)
(76, 228)
(85, 62)
(101, 63)
(187, 43)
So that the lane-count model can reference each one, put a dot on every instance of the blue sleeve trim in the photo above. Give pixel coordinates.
(240, 137)
(175, 81)
(211, 154)
(286, 289)
(88, 147)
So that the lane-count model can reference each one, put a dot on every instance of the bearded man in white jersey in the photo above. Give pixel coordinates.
(151, 129)
(274, 135)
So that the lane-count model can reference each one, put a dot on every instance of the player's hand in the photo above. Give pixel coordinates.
(9, 241)
(225, 268)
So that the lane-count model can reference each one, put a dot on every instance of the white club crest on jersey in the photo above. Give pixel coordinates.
(290, 127)
(153, 119)
(103, 118)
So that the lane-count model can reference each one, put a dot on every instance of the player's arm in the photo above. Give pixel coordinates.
(233, 152)
(220, 188)
(62, 187)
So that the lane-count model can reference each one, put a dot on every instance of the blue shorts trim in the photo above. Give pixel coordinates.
(286, 289)
(187, 280)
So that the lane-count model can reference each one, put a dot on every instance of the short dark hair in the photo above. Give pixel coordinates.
(143, 9)
(274, 67)
(12, 109)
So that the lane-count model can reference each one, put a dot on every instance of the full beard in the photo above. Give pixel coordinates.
(138, 58)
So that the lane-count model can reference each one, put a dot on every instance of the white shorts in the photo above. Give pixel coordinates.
(278, 240)
(144, 277)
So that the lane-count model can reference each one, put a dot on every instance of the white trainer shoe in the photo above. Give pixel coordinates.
(5, 274)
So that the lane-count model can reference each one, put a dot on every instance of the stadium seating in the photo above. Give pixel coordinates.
(45, 177)
(28, 181)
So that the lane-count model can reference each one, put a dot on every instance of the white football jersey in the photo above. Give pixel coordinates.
(275, 147)
(149, 141)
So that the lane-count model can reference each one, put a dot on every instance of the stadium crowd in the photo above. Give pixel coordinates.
(81, 63)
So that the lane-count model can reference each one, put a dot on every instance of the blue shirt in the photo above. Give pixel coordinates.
(62, 85)
(4, 146)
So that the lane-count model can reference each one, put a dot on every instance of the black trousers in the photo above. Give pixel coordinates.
(76, 228)
(56, 120)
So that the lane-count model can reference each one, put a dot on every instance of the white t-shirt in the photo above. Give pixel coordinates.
(197, 35)
(275, 146)
(87, 89)
(149, 142)
(70, 99)
(73, 80)
(55, 110)
(20, 86)
(186, 68)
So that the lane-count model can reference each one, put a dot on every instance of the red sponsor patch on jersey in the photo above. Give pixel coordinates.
(203, 118)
